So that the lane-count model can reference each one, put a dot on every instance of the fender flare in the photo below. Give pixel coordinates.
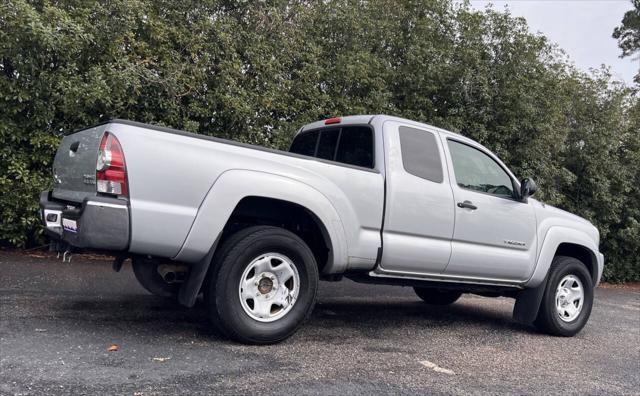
(528, 300)
(223, 197)
(555, 236)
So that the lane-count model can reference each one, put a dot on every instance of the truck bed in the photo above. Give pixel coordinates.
(172, 173)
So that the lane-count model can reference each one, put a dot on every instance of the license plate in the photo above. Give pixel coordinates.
(70, 225)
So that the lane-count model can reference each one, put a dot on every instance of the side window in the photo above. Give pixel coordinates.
(356, 146)
(420, 155)
(305, 143)
(475, 170)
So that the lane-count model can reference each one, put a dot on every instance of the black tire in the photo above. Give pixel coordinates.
(146, 272)
(437, 296)
(229, 263)
(549, 320)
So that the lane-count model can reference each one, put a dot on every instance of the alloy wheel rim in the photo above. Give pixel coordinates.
(269, 287)
(569, 298)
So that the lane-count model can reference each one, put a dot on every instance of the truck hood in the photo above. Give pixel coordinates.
(549, 213)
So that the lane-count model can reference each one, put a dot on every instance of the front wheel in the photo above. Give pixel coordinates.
(263, 285)
(568, 298)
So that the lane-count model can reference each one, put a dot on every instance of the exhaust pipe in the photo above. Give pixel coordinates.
(169, 277)
(173, 273)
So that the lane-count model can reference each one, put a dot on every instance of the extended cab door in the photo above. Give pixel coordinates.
(495, 233)
(419, 214)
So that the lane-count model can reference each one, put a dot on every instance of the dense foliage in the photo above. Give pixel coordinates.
(256, 70)
(628, 34)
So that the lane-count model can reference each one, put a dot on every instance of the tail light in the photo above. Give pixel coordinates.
(111, 170)
(334, 120)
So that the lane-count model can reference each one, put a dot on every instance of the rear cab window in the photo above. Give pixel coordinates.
(350, 145)
(305, 143)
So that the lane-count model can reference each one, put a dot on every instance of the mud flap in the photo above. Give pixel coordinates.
(197, 274)
(528, 302)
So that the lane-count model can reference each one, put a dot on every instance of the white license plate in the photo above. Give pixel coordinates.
(70, 225)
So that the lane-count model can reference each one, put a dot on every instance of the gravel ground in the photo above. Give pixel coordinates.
(57, 321)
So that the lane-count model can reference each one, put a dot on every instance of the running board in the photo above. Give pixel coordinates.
(382, 273)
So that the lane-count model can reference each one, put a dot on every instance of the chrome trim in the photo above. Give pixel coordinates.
(382, 273)
(52, 224)
(106, 205)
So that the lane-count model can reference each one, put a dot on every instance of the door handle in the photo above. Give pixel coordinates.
(467, 205)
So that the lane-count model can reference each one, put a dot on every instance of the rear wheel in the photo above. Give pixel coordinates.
(568, 298)
(263, 285)
(160, 279)
(437, 296)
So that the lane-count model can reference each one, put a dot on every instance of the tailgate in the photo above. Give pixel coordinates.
(74, 167)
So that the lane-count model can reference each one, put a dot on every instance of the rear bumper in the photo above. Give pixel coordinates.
(100, 223)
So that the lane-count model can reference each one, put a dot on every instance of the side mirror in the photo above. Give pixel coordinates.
(527, 188)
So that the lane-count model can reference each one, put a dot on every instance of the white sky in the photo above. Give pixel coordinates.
(582, 28)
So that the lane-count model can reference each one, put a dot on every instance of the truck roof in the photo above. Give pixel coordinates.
(379, 118)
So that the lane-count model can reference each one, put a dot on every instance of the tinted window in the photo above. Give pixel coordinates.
(351, 145)
(356, 146)
(305, 143)
(327, 144)
(420, 155)
(475, 170)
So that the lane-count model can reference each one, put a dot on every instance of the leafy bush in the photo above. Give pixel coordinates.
(256, 71)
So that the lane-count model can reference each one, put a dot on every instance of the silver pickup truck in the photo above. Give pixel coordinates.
(376, 199)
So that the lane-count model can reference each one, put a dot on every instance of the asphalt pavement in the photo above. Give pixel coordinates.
(58, 320)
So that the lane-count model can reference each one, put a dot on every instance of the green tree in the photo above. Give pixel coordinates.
(628, 33)
(257, 71)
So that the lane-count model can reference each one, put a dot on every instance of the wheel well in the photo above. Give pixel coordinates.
(296, 218)
(581, 253)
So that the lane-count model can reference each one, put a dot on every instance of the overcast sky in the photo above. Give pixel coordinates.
(581, 27)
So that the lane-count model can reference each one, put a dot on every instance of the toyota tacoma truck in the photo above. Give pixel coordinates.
(375, 199)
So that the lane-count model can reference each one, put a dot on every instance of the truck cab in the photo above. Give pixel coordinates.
(453, 209)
